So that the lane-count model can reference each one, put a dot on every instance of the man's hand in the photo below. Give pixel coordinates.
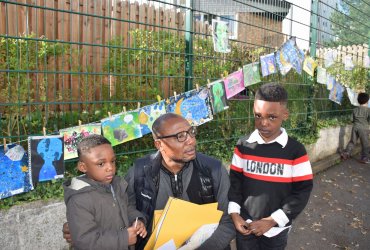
(141, 230)
(259, 227)
(132, 233)
(66, 233)
(240, 224)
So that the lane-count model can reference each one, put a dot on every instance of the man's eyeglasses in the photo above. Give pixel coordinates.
(183, 135)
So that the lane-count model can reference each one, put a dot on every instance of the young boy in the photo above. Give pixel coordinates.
(360, 129)
(270, 176)
(98, 213)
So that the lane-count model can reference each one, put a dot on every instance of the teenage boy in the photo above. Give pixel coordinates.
(270, 176)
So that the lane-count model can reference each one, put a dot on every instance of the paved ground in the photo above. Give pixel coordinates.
(338, 213)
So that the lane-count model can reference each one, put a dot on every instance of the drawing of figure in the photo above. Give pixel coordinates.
(218, 93)
(50, 150)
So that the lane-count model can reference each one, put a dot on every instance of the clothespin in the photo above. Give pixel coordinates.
(174, 93)
(239, 69)
(110, 115)
(79, 122)
(5, 147)
(208, 82)
(138, 105)
(44, 131)
(197, 86)
(158, 98)
(124, 109)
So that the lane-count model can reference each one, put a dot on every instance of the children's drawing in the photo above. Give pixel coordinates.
(330, 81)
(72, 136)
(289, 56)
(329, 58)
(234, 83)
(321, 75)
(366, 62)
(251, 74)
(352, 96)
(122, 127)
(218, 96)
(46, 157)
(15, 175)
(309, 65)
(348, 63)
(336, 93)
(220, 34)
(148, 114)
(268, 66)
(194, 106)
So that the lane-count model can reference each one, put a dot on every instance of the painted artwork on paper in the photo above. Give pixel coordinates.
(330, 81)
(348, 63)
(309, 65)
(329, 57)
(352, 96)
(268, 65)
(234, 83)
(321, 75)
(15, 175)
(289, 56)
(46, 157)
(218, 96)
(366, 61)
(194, 106)
(220, 35)
(148, 114)
(122, 127)
(336, 93)
(72, 136)
(251, 74)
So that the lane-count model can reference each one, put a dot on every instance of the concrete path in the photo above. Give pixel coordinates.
(338, 213)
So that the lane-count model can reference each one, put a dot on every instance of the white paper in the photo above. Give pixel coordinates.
(169, 245)
(273, 231)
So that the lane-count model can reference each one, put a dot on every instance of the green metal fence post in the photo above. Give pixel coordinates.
(189, 45)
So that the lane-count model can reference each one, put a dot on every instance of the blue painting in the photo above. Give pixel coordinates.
(15, 175)
(336, 93)
(268, 66)
(148, 114)
(194, 106)
(289, 56)
(46, 157)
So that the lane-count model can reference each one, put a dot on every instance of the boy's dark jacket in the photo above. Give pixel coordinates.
(98, 219)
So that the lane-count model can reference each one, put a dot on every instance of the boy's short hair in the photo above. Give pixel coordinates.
(272, 92)
(363, 98)
(89, 142)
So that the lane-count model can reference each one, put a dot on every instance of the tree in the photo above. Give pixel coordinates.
(350, 24)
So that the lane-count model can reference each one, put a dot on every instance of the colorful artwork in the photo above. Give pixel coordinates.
(352, 96)
(268, 66)
(329, 58)
(336, 93)
(148, 114)
(220, 34)
(218, 96)
(234, 83)
(321, 75)
(251, 74)
(72, 136)
(309, 65)
(194, 106)
(122, 127)
(366, 62)
(348, 63)
(46, 157)
(289, 56)
(15, 175)
(330, 82)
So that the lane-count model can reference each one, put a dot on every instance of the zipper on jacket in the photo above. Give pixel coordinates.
(114, 195)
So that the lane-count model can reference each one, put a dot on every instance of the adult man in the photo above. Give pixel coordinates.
(177, 170)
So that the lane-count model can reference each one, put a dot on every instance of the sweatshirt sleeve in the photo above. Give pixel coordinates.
(236, 179)
(225, 231)
(84, 230)
(302, 186)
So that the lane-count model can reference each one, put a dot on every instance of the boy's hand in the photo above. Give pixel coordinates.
(240, 224)
(259, 227)
(132, 232)
(141, 230)
(66, 233)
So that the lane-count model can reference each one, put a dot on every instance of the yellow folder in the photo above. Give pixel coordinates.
(179, 220)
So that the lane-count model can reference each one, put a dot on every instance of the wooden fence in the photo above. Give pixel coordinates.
(87, 26)
(357, 52)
